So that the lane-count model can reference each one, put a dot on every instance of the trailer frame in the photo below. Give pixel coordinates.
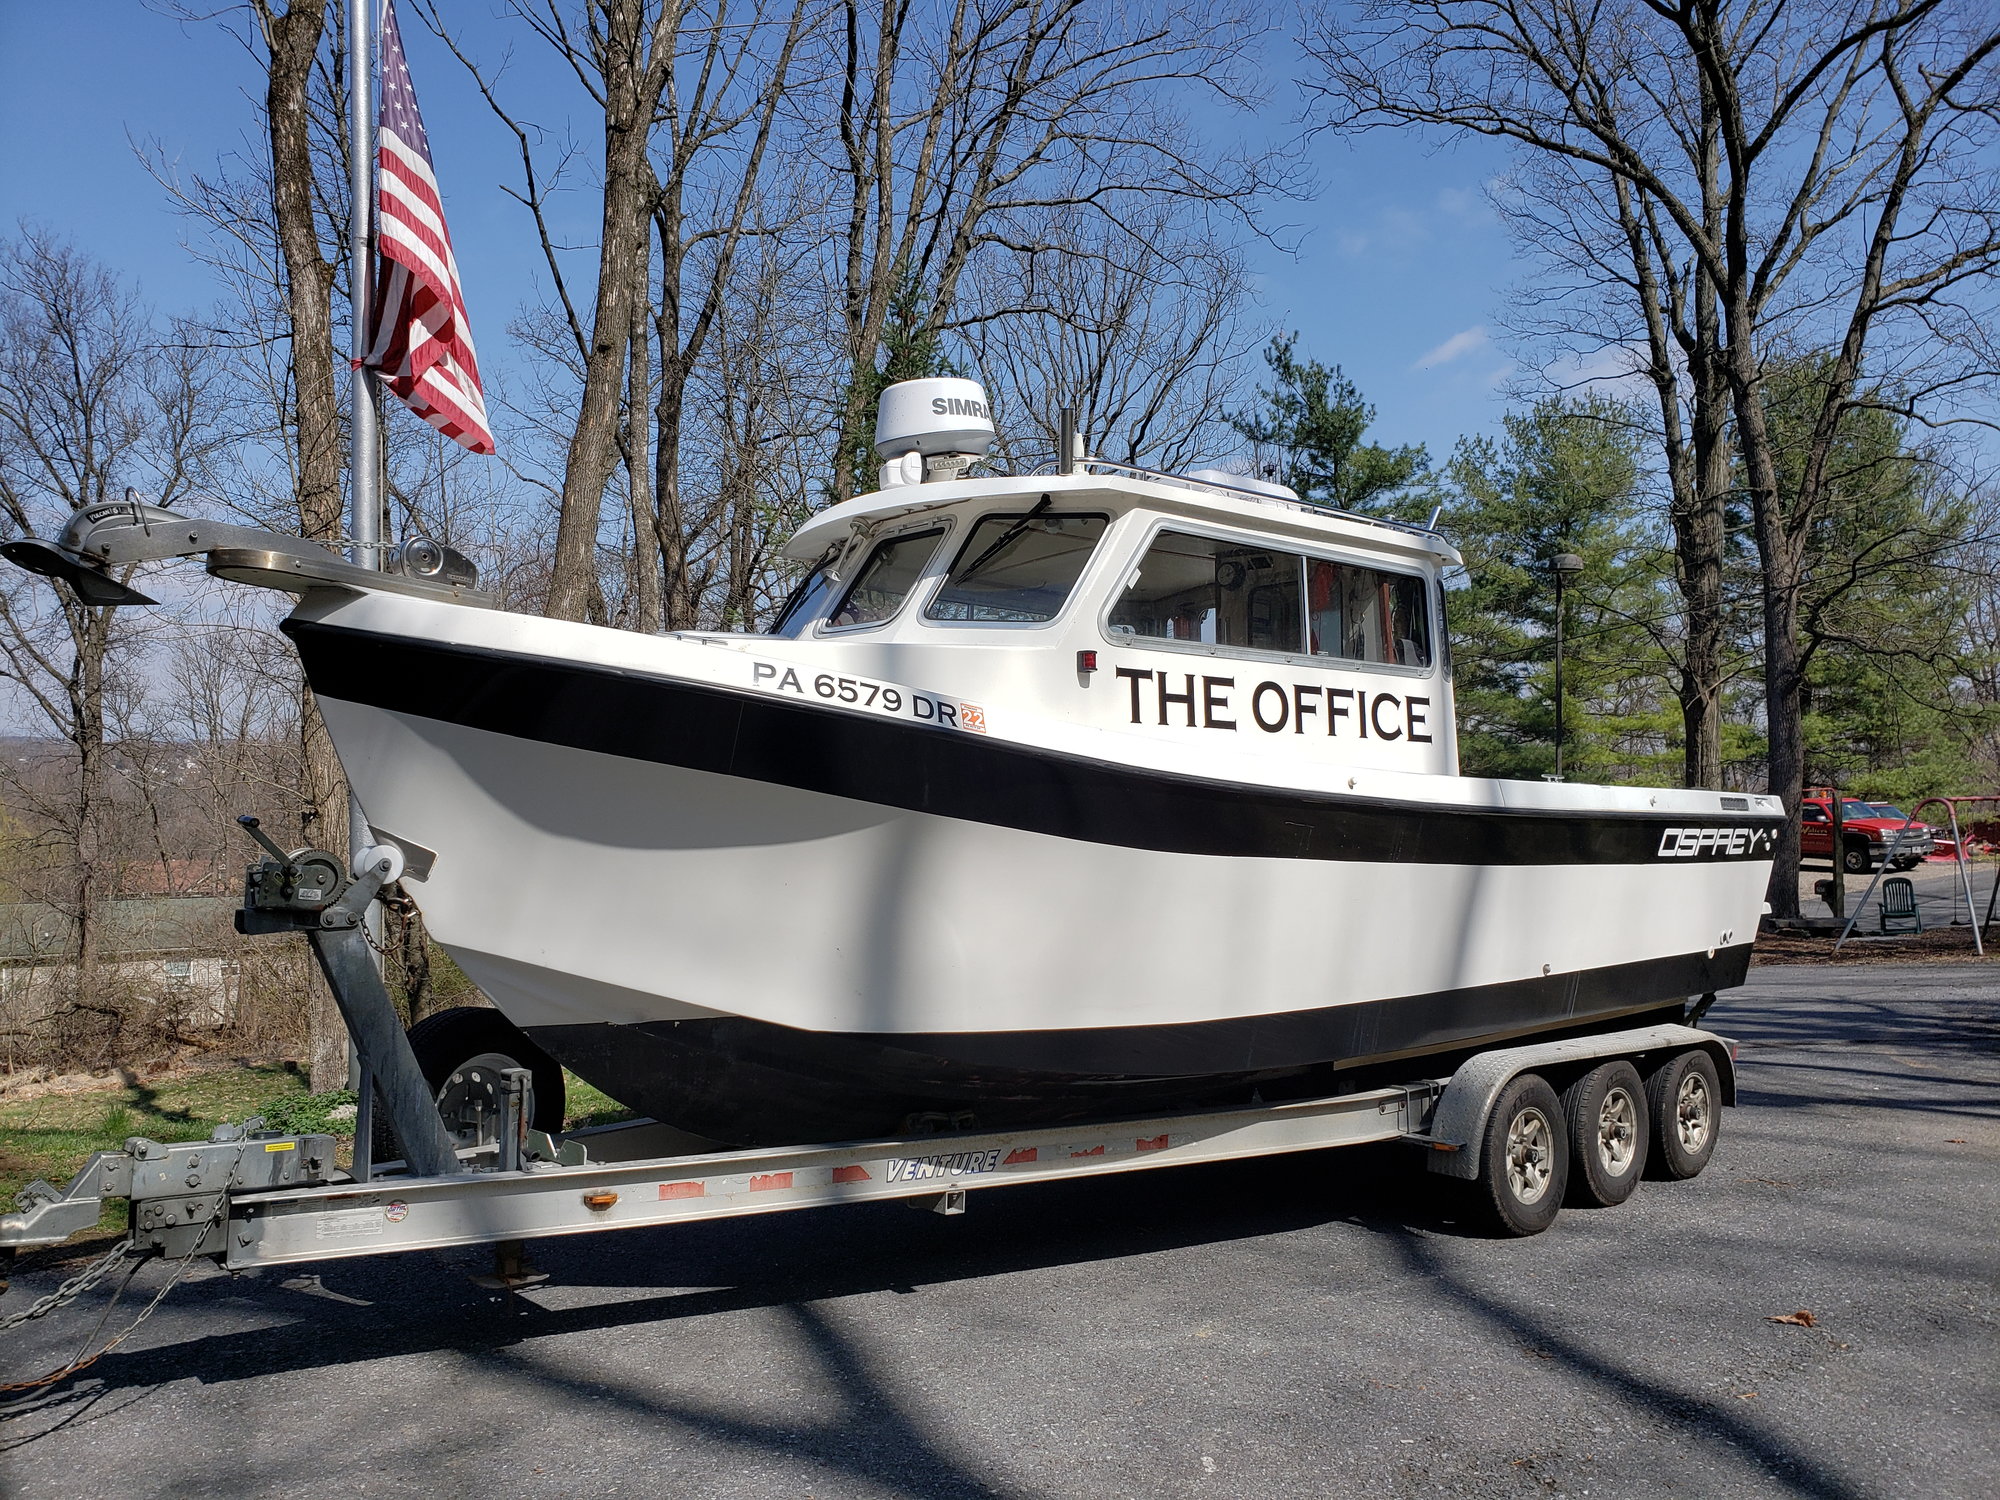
(251, 1199)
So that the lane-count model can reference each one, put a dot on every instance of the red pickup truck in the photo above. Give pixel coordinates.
(1867, 836)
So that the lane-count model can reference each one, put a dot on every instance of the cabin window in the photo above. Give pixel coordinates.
(1017, 569)
(1225, 593)
(807, 602)
(1214, 592)
(886, 579)
(1365, 614)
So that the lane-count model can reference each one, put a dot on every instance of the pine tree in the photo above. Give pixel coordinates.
(1308, 434)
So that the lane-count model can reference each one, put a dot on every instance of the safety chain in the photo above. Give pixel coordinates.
(70, 1290)
(396, 902)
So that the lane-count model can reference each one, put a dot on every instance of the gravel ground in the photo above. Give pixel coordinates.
(1312, 1326)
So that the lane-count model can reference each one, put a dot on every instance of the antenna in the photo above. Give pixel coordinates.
(1066, 442)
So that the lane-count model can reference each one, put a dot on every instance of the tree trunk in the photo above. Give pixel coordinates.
(87, 709)
(1700, 537)
(633, 80)
(413, 952)
(294, 40)
(1779, 559)
(647, 614)
(323, 825)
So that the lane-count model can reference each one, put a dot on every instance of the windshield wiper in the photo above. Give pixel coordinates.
(1005, 537)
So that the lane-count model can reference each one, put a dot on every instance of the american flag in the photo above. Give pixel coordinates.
(420, 339)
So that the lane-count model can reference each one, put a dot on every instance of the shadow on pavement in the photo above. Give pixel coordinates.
(794, 1265)
(1700, 1419)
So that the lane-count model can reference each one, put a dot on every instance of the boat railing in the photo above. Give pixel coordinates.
(1243, 492)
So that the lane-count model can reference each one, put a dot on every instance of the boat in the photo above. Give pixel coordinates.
(1053, 795)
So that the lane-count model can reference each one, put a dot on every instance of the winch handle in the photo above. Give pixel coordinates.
(255, 829)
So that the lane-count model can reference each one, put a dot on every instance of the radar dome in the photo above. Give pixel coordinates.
(944, 414)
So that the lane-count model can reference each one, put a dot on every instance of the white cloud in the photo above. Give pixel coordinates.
(1457, 346)
(1466, 206)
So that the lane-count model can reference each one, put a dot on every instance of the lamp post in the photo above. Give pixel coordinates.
(1565, 565)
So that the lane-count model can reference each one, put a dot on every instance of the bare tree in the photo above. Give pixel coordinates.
(1857, 205)
(692, 97)
(713, 139)
(271, 228)
(1144, 336)
(1613, 287)
(623, 54)
(970, 124)
(91, 400)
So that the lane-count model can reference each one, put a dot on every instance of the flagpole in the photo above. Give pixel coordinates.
(364, 456)
(365, 453)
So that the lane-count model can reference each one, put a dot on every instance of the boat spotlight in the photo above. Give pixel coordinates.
(930, 430)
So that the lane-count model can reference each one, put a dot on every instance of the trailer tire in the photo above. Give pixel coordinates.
(1524, 1158)
(1684, 1099)
(449, 1039)
(1610, 1124)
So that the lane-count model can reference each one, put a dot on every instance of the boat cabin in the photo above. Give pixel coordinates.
(1170, 607)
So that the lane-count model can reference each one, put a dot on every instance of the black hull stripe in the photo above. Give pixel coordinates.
(956, 775)
(756, 1083)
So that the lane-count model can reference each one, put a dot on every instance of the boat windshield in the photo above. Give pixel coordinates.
(886, 578)
(1017, 569)
(807, 602)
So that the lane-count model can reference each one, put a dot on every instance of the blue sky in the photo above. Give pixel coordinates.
(1399, 270)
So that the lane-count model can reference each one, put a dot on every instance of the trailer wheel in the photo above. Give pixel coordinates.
(1684, 1099)
(1609, 1125)
(454, 1045)
(1524, 1158)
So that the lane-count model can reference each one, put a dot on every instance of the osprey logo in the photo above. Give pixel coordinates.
(960, 406)
(1716, 843)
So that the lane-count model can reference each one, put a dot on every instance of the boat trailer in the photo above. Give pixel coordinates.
(250, 1196)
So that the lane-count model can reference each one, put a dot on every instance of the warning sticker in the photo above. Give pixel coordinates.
(348, 1223)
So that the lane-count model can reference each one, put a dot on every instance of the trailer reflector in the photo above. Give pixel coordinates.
(1021, 1154)
(850, 1174)
(683, 1190)
(1153, 1143)
(770, 1182)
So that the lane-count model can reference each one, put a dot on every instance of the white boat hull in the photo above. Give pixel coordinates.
(802, 931)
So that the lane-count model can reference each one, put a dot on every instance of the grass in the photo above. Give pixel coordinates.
(51, 1137)
(586, 1106)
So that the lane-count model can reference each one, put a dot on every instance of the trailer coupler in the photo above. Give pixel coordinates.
(177, 1192)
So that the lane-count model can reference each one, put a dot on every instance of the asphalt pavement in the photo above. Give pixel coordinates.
(1323, 1325)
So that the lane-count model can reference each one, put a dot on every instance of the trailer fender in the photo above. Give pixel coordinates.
(1458, 1123)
